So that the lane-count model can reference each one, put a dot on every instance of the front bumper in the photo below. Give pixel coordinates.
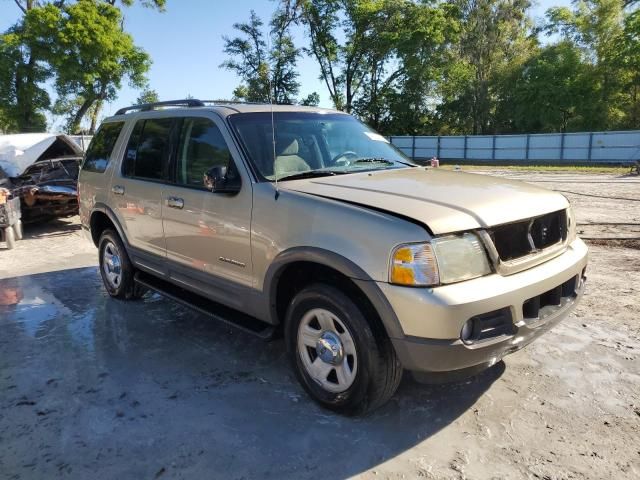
(432, 319)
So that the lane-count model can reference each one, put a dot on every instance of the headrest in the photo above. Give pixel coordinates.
(287, 146)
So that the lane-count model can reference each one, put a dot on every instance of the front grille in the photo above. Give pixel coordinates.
(518, 239)
(541, 306)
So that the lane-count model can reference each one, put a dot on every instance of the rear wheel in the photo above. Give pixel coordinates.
(340, 360)
(10, 238)
(116, 269)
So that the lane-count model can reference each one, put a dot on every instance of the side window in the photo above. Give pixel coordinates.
(97, 157)
(201, 147)
(129, 161)
(147, 152)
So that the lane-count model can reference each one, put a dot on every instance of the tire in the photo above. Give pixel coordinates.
(9, 238)
(116, 269)
(17, 230)
(349, 377)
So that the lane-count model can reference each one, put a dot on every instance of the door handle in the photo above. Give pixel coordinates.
(117, 190)
(175, 202)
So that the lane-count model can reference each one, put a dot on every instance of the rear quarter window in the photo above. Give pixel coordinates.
(97, 157)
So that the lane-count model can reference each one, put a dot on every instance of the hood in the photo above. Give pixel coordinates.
(443, 200)
(19, 151)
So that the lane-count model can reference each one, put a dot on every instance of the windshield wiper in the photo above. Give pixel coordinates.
(382, 160)
(374, 160)
(310, 174)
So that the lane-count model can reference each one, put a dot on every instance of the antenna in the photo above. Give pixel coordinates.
(273, 125)
(273, 140)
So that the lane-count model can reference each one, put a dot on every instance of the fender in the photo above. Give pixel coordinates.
(341, 264)
(102, 208)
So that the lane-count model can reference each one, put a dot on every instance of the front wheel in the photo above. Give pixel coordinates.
(340, 360)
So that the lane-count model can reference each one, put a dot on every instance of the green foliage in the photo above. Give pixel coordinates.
(597, 27)
(268, 74)
(477, 66)
(379, 58)
(147, 95)
(494, 39)
(629, 61)
(23, 49)
(403, 66)
(311, 100)
(79, 45)
(92, 55)
(552, 92)
(158, 4)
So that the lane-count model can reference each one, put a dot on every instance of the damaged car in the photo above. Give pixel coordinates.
(303, 222)
(42, 170)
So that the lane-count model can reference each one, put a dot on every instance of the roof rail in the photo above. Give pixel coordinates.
(144, 107)
(232, 102)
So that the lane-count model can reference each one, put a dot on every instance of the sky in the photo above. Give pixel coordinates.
(186, 45)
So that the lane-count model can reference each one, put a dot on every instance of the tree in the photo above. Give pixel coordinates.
(92, 66)
(404, 61)
(372, 54)
(266, 74)
(148, 95)
(26, 53)
(26, 5)
(629, 60)
(495, 37)
(311, 100)
(552, 92)
(597, 28)
(342, 65)
(23, 49)
(157, 4)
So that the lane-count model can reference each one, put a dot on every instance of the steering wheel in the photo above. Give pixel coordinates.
(339, 160)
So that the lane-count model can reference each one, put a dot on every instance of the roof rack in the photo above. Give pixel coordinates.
(232, 102)
(188, 102)
(144, 107)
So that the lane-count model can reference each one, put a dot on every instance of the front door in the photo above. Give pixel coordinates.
(207, 232)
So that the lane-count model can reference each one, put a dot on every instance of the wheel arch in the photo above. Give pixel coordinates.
(298, 267)
(102, 217)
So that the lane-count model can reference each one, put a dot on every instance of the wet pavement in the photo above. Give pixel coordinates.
(92, 387)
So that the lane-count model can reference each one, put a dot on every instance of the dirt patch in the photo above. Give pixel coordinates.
(633, 243)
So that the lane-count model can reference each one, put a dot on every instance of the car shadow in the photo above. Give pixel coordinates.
(52, 228)
(151, 386)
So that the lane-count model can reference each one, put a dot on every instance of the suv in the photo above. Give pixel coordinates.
(304, 221)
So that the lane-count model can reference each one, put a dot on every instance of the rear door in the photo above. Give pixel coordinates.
(93, 181)
(207, 232)
(136, 188)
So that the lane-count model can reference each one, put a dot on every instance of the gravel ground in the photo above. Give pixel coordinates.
(95, 388)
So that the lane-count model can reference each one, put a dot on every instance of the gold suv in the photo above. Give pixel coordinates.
(303, 221)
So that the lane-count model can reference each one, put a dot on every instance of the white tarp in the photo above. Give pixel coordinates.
(19, 151)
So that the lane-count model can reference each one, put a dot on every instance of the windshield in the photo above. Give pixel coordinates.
(313, 144)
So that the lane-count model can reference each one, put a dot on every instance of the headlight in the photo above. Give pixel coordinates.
(414, 264)
(449, 259)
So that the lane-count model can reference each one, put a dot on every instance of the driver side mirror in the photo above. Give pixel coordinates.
(220, 179)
